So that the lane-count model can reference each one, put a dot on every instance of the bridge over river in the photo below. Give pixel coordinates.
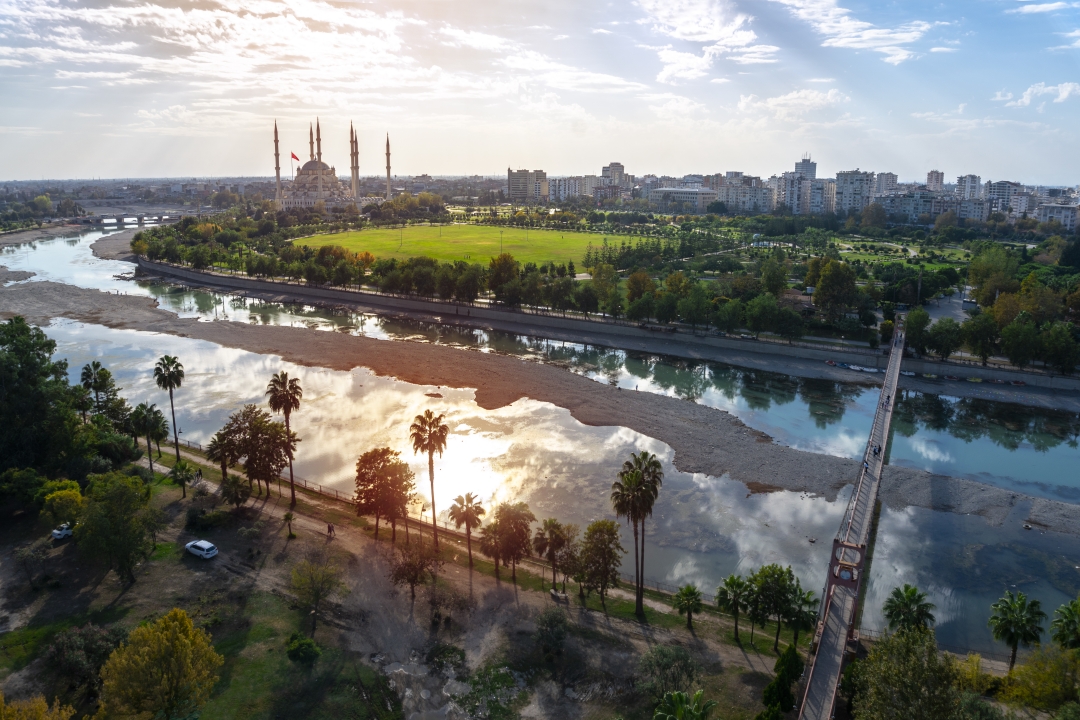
(836, 635)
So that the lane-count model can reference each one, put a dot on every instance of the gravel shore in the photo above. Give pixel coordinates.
(705, 440)
(10, 276)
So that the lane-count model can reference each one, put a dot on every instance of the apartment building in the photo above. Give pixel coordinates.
(807, 168)
(885, 184)
(1000, 194)
(935, 181)
(969, 187)
(526, 186)
(1064, 214)
(560, 189)
(854, 190)
(693, 200)
(924, 205)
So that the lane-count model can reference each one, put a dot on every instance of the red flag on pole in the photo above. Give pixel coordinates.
(294, 157)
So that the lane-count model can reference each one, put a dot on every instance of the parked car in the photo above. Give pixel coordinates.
(202, 548)
(62, 532)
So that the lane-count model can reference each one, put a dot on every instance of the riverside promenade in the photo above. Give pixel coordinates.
(847, 563)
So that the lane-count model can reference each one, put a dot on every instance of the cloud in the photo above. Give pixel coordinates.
(682, 65)
(793, 104)
(1042, 7)
(842, 30)
(1002, 96)
(1063, 91)
(673, 107)
(1074, 44)
(943, 50)
(821, 80)
(456, 37)
(601, 31)
(719, 81)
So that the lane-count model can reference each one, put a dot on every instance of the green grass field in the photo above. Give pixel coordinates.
(474, 243)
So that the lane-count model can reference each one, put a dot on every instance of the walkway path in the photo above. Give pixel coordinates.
(848, 559)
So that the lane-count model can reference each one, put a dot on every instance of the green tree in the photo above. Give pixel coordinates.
(414, 565)
(601, 554)
(667, 307)
(491, 543)
(761, 313)
(182, 474)
(1059, 348)
(316, 579)
(428, 435)
(678, 706)
(835, 291)
(166, 669)
(502, 270)
(1066, 625)
(789, 324)
(728, 316)
(93, 379)
(1020, 341)
(515, 521)
(605, 281)
(731, 597)
(981, 336)
(773, 277)
(695, 307)
(63, 506)
(114, 526)
(915, 330)
(945, 337)
(551, 627)
(547, 542)
(802, 612)
(35, 708)
(234, 491)
(285, 394)
(468, 511)
(667, 668)
(169, 375)
(222, 449)
(384, 483)
(642, 497)
(774, 586)
(1016, 621)
(1046, 680)
(907, 608)
(906, 677)
(687, 601)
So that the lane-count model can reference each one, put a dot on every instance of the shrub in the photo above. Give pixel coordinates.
(551, 631)
(78, 653)
(302, 650)
(199, 519)
(667, 668)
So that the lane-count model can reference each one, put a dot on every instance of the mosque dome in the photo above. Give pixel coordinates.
(313, 166)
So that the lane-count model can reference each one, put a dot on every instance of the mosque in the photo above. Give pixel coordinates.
(316, 181)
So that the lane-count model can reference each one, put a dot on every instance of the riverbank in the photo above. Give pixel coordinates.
(43, 233)
(10, 276)
(704, 439)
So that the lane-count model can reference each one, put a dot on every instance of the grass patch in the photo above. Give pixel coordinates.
(19, 647)
(475, 243)
(165, 551)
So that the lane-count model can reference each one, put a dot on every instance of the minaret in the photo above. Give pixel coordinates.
(311, 142)
(387, 166)
(277, 168)
(318, 156)
(354, 156)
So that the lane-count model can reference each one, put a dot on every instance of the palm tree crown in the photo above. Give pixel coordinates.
(284, 397)
(679, 706)
(908, 609)
(1016, 621)
(467, 511)
(169, 375)
(91, 380)
(1066, 625)
(652, 477)
(687, 601)
(548, 542)
(732, 596)
(428, 435)
(143, 421)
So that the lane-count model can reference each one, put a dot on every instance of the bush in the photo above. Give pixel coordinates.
(667, 668)
(199, 519)
(302, 650)
(1068, 711)
(78, 654)
(445, 658)
(551, 632)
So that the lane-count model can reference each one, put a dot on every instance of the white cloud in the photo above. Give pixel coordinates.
(601, 31)
(682, 65)
(793, 104)
(456, 37)
(821, 80)
(1074, 44)
(673, 107)
(1002, 96)
(1063, 91)
(719, 81)
(1042, 7)
(842, 30)
(942, 50)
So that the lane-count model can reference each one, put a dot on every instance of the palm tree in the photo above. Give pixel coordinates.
(803, 609)
(182, 474)
(679, 706)
(169, 375)
(288, 518)
(732, 597)
(491, 543)
(1016, 621)
(1066, 625)
(516, 520)
(222, 450)
(142, 419)
(688, 600)
(285, 394)
(627, 500)
(547, 542)
(907, 609)
(428, 434)
(159, 429)
(652, 476)
(466, 511)
(91, 380)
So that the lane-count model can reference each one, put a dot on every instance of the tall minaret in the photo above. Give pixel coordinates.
(387, 166)
(311, 142)
(318, 155)
(277, 168)
(354, 153)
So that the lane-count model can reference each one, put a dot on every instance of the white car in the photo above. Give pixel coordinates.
(202, 548)
(62, 532)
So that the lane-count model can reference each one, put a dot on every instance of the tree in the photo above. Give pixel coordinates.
(905, 677)
(774, 590)
(729, 316)
(92, 378)
(428, 435)
(316, 579)
(547, 542)
(169, 375)
(491, 543)
(114, 526)
(234, 491)
(63, 506)
(30, 557)
(262, 444)
(789, 324)
(773, 277)
(605, 281)
(688, 601)
(731, 597)
(285, 395)
(835, 290)
(678, 706)
(873, 216)
(915, 325)
(502, 270)
(166, 669)
(665, 669)
(638, 285)
(695, 307)
(761, 313)
(1016, 621)
(79, 653)
(1020, 341)
(182, 474)
(981, 336)
(467, 511)
(551, 627)
(601, 554)
(515, 522)
(908, 609)
(1066, 625)
(641, 497)
(142, 421)
(222, 449)
(1046, 680)
(627, 499)
(1059, 348)
(802, 612)
(667, 307)
(288, 519)
(945, 337)
(414, 565)
(36, 708)
(384, 484)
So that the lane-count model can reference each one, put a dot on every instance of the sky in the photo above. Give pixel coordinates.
(173, 88)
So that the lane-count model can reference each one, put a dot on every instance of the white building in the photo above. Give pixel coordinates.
(935, 181)
(1064, 214)
(819, 197)
(564, 188)
(807, 168)
(969, 187)
(526, 186)
(1000, 194)
(885, 183)
(854, 190)
(694, 200)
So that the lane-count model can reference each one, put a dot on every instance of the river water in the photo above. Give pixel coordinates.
(705, 527)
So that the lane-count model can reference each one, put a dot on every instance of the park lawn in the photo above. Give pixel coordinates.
(472, 243)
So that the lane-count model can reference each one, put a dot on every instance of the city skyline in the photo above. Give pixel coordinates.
(165, 89)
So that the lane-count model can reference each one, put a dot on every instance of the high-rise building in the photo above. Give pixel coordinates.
(854, 190)
(807, 168)
(885, 183)
(526, 186)
(564, 188)
(935, 181)
(1000, 194)
(614, 174)
(969, 187)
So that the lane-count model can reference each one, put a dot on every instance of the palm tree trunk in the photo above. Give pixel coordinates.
(641, 584)
(393, 530)
(376, 526)
(468, 541)
(776, 641)
(1012, 659)
(292, 484)
(224, 471)
(149, 453)
(176, 435)
(689, 620)
(637, 573)
(736, 614)
(431, 476)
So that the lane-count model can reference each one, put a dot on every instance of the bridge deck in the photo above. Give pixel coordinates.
(841, 594)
